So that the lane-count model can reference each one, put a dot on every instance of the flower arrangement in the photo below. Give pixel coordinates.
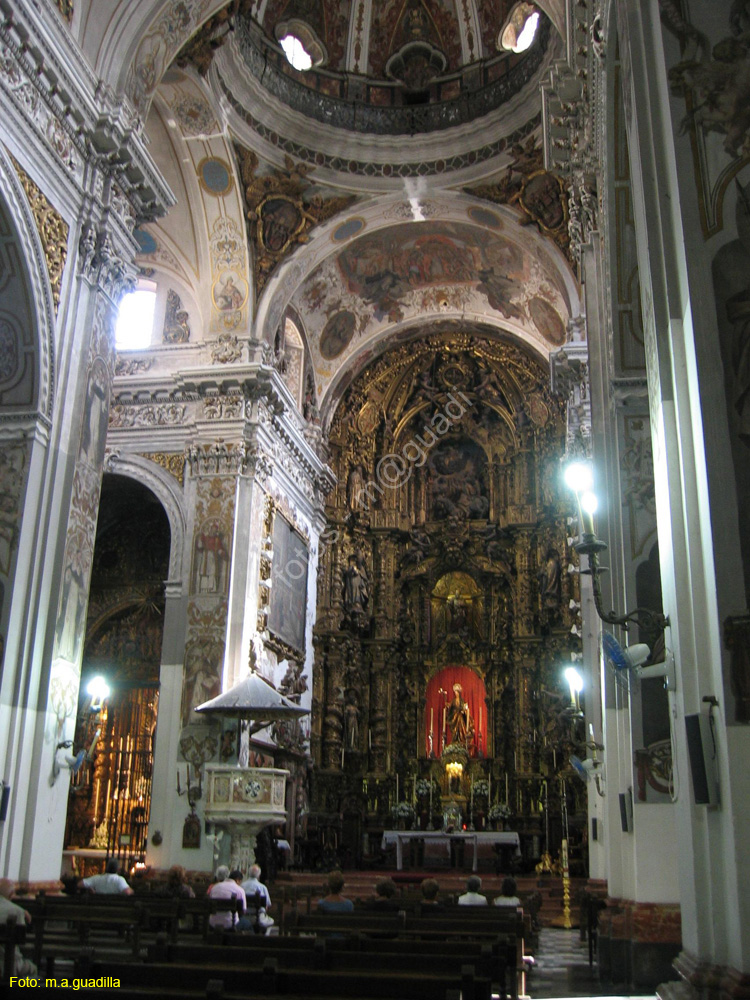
(403, 810)
(423, 787)
(500, 810)
(482, 787)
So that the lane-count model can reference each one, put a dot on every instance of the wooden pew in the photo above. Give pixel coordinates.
(11, 935)
(272, 980)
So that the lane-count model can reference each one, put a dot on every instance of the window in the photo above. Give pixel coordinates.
(295, 52)
(135, 319)
(519, 30)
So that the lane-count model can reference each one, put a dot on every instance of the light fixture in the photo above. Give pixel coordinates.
(98, 689)
(519, 31)
(454, 769)
(579, 477)
(575, 683)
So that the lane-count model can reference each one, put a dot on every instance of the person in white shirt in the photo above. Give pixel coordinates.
(507, 895)
(472, 896)
(109, 884)
(226, 888)
(254, 888)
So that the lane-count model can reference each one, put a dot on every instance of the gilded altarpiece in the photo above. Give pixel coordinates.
(445, 602)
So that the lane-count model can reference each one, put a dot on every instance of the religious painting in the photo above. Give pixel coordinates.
(337, 334)
(191, 832)
(287, 611)
(280, 220)
(94, 432)
(229, 292)
(547, 321)
(203, 661)
(210, 558)
(457, 480)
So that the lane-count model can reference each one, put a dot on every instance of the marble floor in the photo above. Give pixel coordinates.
(561, 969)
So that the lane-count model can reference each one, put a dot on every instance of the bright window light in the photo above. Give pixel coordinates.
(528, 32)
(135, 320)
(296, 53)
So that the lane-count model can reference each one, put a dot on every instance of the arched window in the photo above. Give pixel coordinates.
(135, 319)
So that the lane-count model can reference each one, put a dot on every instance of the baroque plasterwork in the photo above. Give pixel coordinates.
(53, 232)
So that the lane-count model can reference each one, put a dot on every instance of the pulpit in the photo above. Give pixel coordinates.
(241, 801)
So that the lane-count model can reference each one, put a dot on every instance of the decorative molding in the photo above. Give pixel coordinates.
(101, 263)
(173, 463)
(53, 231)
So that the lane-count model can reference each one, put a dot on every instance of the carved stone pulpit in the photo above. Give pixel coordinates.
(242, 800)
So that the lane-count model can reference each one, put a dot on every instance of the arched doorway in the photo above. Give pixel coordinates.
(110, 793)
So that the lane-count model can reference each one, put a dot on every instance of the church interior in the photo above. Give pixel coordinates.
(372, 467)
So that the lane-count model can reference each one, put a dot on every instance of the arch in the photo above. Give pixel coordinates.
(165, 489)
(38, 284)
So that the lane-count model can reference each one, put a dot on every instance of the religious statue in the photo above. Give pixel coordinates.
(550, 581)
(351, 715)
(459, 717)
(356, 585)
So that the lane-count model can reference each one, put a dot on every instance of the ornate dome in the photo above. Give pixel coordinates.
(392, 67)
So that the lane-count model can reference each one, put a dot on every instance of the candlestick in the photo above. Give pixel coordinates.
(179, 790)
(429, 824)
(397, 787)
(506, 788)
(431, 714)
(489, 787)
(554, 760)
(342, 756)
(480, 718)
(369, 739)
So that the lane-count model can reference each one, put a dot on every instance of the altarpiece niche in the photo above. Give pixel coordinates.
(443, 610)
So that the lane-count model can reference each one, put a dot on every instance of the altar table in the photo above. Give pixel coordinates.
(398, 837)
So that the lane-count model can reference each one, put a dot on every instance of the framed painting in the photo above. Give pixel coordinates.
(288, 602)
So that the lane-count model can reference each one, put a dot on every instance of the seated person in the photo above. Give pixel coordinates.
(225, 887)
(472, 896)
(384, 900)
(111, 883)
(258, 903)
(176, 886)
(429, 902)
(334, 902)
(23, 966)
(507, 895)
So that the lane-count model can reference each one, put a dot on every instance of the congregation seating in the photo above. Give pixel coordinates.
(153, 947)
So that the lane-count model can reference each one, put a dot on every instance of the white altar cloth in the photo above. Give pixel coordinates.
(399, 837)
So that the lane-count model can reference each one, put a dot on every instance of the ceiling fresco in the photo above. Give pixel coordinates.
(393, 276)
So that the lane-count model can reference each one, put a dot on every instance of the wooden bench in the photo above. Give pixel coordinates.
(272, 980)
